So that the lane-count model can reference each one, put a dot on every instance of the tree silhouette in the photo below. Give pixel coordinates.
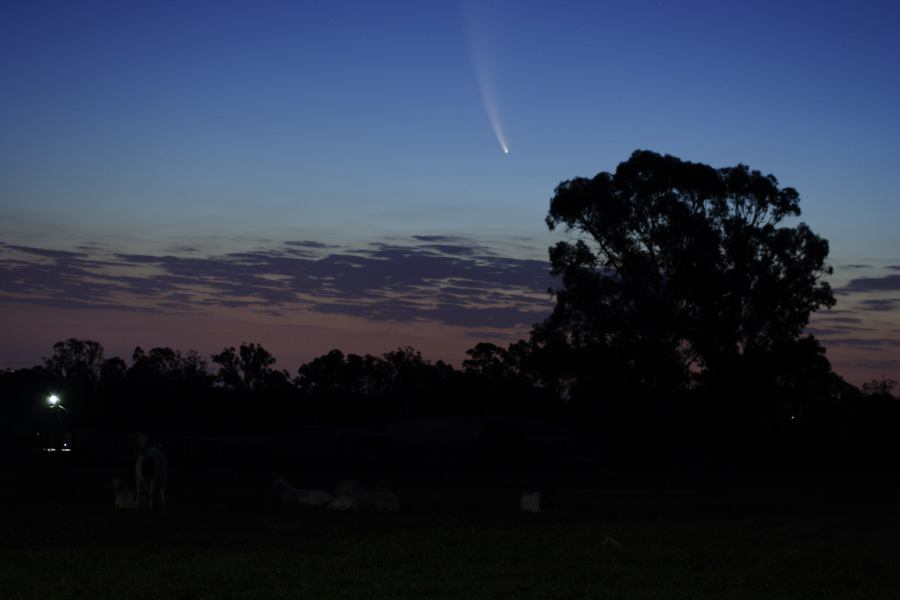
(250, 367)
(334, 377)
(681, 274)
(487, 360)
(113, 371)
(504, 379)
(165, 366)
(879, 387)
(76, 359)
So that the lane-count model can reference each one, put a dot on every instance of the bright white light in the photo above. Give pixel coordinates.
(53, 400)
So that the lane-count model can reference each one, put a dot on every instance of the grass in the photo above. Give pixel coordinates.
(451, 542)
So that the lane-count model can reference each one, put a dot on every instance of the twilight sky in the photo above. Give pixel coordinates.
(312, 175)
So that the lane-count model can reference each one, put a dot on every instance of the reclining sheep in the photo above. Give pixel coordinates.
(285, 493)
(352, 496)
(530, 502)
(383, 501)
(122, 496)
(537, 501)
(342, 503)
(349, 488)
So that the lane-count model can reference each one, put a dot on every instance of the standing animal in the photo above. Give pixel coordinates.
(151, 471)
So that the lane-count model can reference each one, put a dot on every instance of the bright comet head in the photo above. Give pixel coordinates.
(505, 150)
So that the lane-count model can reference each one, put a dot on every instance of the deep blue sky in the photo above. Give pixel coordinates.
(230, 126)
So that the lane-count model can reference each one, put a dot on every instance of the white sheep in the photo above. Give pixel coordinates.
(611, 542)
(345, 503)
(283, 492)
(348, 488)
(151, 471)
(351, 495)
(288, 494)
(378, 501)
(530, 502)
(123, 497)
(382, 501)
(314, 497)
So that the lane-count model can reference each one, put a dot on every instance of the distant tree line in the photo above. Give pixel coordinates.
(817, 419)
(239, 389)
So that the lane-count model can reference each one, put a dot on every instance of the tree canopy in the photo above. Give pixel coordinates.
(680, 273)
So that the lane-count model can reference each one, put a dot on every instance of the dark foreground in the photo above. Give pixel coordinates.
(455, 538)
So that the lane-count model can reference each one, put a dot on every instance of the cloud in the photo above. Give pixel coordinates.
(80, 304)
(824, 332)
(864, 342)
(485, 334)
(436, 238)
(44, 251)
(448, 280)
(308, 244)
(872, 284)
(882, 364)
(880, 304)
(849, 320)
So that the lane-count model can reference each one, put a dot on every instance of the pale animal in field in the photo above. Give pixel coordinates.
(348, 488)
(351, 495)
(345, 503)
(123, 497)
(151, 471)
(285, 493)
(382, 501)
(314, 497)
(530, 502)
(611, 542)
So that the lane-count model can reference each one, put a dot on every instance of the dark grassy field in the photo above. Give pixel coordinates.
(454, 538)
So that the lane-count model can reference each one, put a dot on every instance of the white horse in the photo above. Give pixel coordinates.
(151, 471)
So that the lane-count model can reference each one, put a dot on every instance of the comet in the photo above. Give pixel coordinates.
(483, 75)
